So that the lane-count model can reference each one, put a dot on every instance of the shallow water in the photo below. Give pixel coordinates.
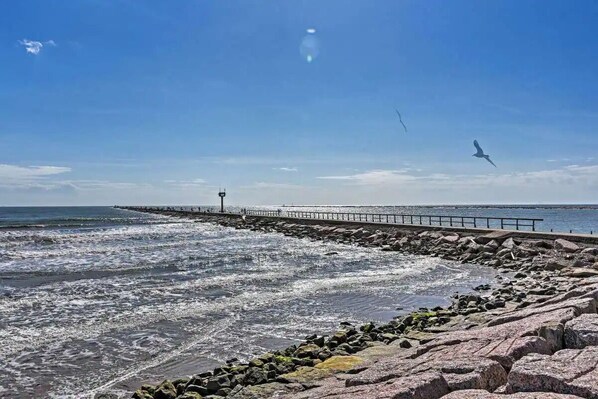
(118, 298)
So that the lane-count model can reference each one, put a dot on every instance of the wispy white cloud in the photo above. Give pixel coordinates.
(34, 47)
(377, 176)
(580, 175)
(82, 185)
(186, 183)
(14, 172)
(32, 177)
(267, 185)
(287, 169)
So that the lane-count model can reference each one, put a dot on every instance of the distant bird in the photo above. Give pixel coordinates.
(480, 153)
(401, 119)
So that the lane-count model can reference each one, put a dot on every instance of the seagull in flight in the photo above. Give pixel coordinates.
(480, 153)
(401, 119)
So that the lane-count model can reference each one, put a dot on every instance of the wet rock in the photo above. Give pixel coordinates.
(105, 396)
(256, 363)
(197, 389)
(582, 331)
(166, 390)
(571, 371)
(309, 350)
(216, 383)
(190, 395)
(255, 376)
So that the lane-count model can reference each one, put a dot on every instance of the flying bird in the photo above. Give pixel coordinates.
(480, 153)
(401, 119)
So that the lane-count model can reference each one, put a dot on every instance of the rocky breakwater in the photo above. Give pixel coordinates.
(534, 335)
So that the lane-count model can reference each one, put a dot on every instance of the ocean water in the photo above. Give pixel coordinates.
(100, 299)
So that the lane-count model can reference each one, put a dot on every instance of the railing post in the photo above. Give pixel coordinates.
(502, 223)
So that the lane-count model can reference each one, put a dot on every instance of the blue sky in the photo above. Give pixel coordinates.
(147, 102)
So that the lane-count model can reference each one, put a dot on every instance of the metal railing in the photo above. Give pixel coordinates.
(385, 218)
(423, 220)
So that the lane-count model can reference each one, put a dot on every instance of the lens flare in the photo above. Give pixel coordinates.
(309, 48)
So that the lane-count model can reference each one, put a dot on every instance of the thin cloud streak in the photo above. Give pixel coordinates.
(195, 183)
(267, 185)
(586, 175)
(286, 169)
(14, 172)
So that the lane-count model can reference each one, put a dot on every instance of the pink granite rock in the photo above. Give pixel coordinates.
(480, 394)
(428, 385)
(582, 331)
(470, 372)
(570, 371)
(478, 358)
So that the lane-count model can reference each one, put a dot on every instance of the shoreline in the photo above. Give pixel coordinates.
(543, 270)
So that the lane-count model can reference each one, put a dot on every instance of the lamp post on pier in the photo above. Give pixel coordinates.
(222, 194)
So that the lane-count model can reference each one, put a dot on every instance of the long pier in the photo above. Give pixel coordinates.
(522, 227)
(490, 222)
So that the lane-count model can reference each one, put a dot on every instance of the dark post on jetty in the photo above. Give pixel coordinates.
(222, 194)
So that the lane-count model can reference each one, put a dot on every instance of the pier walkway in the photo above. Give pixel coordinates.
(519, 227)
